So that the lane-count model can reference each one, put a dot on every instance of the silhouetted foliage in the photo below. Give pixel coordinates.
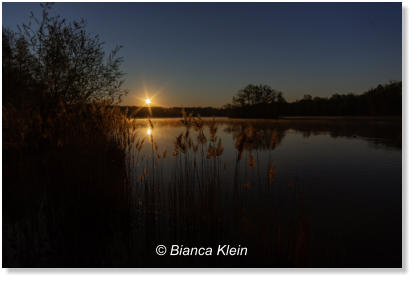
(382, 100)
(63, 157)
(50, 59)
(257, 101)
(263, 102)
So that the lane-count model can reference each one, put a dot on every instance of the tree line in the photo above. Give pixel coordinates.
(165, 112)
(261, 101)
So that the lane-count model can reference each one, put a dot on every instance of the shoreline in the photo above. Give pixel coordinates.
(293, 118)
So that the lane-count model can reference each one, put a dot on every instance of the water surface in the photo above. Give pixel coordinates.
(345, 174)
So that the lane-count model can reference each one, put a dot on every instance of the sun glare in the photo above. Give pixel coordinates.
(149, 132)
(147, 101)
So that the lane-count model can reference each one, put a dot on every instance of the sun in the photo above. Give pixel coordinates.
(148, 101)
(149, 132)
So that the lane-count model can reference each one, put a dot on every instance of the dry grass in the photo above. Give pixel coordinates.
(190, 201)
(80, 191)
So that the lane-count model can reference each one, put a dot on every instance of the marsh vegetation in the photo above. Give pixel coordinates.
(190, 180)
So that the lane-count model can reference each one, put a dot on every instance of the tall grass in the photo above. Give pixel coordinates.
(65, 187)
(80, 191)
(191, 201)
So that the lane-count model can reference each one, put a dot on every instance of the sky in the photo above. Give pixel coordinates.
(201, 54)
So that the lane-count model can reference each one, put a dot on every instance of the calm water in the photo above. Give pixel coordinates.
(348, 173)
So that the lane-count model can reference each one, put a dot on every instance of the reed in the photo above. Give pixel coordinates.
(82, 191)
(191, 202)
(65, 184)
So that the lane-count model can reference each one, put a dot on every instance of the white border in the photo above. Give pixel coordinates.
(271, 274)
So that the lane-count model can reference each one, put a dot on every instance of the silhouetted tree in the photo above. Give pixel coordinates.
(255, 94)
(257, 101)
(307, 97)
(264, 102)
(52, 59)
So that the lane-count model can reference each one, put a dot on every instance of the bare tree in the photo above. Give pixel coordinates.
(66, 61)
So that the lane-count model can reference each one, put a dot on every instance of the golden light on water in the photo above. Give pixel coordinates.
(148, 101)
(149, 131)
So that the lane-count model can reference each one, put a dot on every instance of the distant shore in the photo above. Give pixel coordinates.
(296, 118)
(344, 117)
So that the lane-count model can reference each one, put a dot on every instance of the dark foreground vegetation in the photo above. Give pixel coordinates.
(71, 194)
(64, 173)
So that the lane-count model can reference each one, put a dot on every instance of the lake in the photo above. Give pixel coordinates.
(314, 192)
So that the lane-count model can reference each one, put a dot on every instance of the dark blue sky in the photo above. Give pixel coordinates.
(201, 54)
